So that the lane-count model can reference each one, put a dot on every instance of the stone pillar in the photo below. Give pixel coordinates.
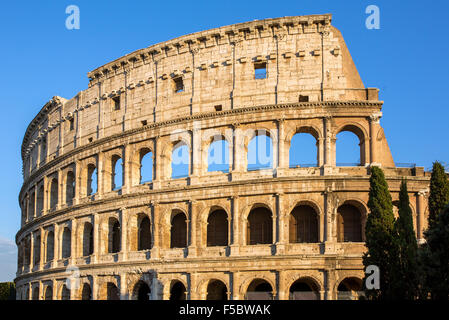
(100, 175)
(61, 189)
(373, 128)
(56, 246)
(96, 234)
(282, 147)
(283, 291)
(196, 165)
(127, 169)
(239, 150)
(73, 238)
(321, 151)
(329, 221)
(95, 289)
(32, 244)
(123, 288)
(420, 216)
(156, 230)
(45, 196)
(191, 228)
(42, 250)
(330, 278)
(235, 229)
(78, 182)
(158, 163)
(282, 220)
(124, 232)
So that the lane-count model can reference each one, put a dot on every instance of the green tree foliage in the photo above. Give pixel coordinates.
(379, 235)
(405, 272)
(439, 192)
(7, 291)
(435, 258)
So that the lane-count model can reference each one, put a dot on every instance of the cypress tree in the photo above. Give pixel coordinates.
(405, 271)
(439, 192)
(379, 235)
(435, 258)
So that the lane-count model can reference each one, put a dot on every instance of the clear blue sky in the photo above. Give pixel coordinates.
(407, 59)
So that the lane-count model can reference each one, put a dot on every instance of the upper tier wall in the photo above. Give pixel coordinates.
(304, 56)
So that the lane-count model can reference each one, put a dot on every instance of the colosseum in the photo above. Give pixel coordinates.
(106, 216)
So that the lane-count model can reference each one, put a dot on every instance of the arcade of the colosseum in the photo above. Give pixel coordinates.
(280, 232)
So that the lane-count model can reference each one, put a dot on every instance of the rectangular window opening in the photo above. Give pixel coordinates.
(144, 123)
(260, 70)
(179, 85)
(218, 107)
(116, 101)
(72, 124)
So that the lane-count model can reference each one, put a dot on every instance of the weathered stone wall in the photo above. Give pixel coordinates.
(68, 139)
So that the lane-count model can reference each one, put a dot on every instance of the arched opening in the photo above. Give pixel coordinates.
(304, 289)
(65, 293)
(177, 291)
(142, 291)
(303, 150)
(216, 290)
(88, 239)
(180, 160)
(70, 188)
(350, 147)
(66, 243)
(218, 155)
(349, 224)
(35, 293)
(178, 232)
(117, 172)
(217, 228)
(92, 179)
(146, 165)
(31, 205)
(112, 292)
(114, 236)
(144, 234)
(40, 200)
(259, 289)
(349, 289)
(27, 251)
(37, 251)
(260, 226)
(86, 293)
(48, 295)
(53, 193)
(260, 151)
(50, 246)
(303, 225)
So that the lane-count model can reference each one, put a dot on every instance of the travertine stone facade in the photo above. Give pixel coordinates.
(206, 235)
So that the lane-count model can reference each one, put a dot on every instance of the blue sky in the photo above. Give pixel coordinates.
(406, 59)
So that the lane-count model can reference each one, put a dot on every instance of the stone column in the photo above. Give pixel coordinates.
(155, 249)
(61, 193)
(42, 250)
(123, 288)
(157, 163)
(32, 244)
(320, 147)
(196, 165)
(73, 238)
(127, 169)
(191, 228)
(420, 205)
(100, 175)
(238, 152)
(235, 227)
(95, 288)
(283, 290)
(45, 196)
(124, 232)
(78, 182)
(56, 245)
(282, 221)
(329, 221)
(374, 120)
(96, 234)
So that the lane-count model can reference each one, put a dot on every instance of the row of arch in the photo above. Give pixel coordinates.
(303, 227)
(304, 288)
(303, 151)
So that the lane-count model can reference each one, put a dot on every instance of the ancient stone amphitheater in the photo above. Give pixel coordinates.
(278, 231)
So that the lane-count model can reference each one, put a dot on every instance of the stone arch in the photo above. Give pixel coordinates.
(37, 249)
(66, 241)
(114, 235)
(302, 128)
(141, 291)
(69, 187)
(144, 225)
(86, 291)
(361, 134)
(53, 194)
(201, 288)
(50, 246)
(260, 288)
(178, 229)
(225, 144)
(176, 139)
(303, 132)
(217, 227)
(252, 135)
(65, 293)
(117, 171)
(304, 224)
(178, 290)
(141, 155)
(259, 225)
(349, 288)
(87, 239)
(355, 211)
(304, 288)
(216, 290)
(90, 178)
(48, 292)
(111, 290)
